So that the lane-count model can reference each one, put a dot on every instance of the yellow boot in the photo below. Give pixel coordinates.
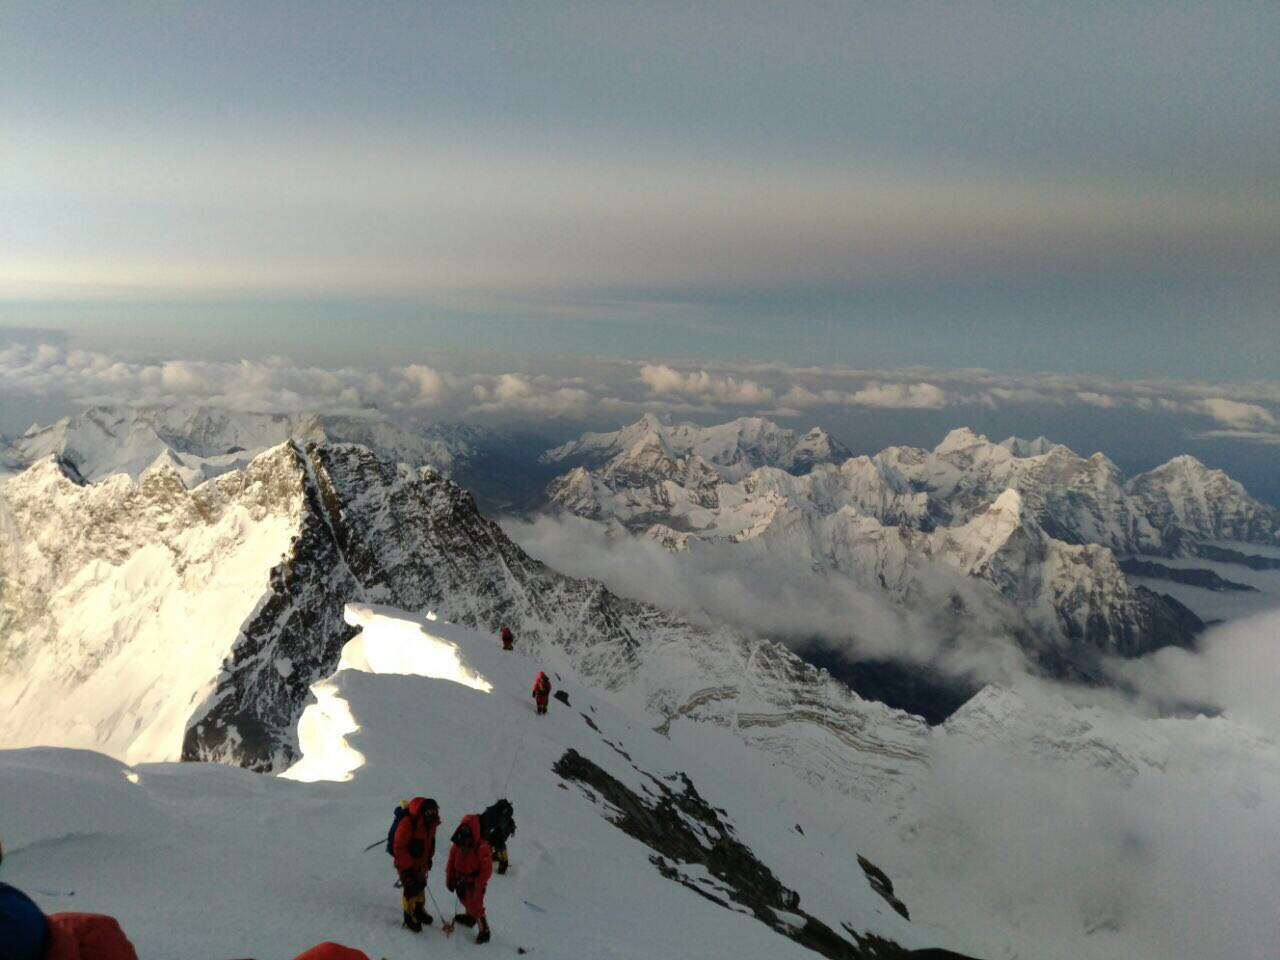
(415, 913)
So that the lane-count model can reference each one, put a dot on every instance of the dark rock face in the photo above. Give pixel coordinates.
(882, 885)
(661, 819)
(251, 716)
(661, 816)
(1184, 498)
(1095, 610)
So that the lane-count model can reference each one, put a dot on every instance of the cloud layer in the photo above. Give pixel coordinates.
(602, 388)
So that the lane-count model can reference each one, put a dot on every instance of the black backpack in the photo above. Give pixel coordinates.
(497, 823)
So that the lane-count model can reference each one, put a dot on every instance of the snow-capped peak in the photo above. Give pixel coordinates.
(202, 442)
(961, 438)
(1008, 507)
(983, 536)
(733, 449)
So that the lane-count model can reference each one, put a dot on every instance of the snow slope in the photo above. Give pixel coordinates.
(121, 600)
(1032, 828)
(209, 860)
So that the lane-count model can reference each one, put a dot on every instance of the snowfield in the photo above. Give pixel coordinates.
(708, 793)
(205, 860)
(1036, 829)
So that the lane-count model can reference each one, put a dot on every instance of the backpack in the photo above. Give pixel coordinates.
(402, 811)
(496, 823)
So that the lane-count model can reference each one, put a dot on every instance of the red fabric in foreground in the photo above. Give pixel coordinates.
(87, 936)
(331, 951)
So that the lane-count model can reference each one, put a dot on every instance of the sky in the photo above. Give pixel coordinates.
(888, 220)
(1031, 186)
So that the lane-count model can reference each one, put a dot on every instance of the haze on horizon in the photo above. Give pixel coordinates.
(1011, 186)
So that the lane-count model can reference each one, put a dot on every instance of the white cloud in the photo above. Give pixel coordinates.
(1097, 399)
(514, 393)
(430, 384)
(279, 385)
(801, 397)
(902, 396)
(721, 584)
(603, 388)
(1249, 436)
(663, 380)
(899, 396)
(1238, 415)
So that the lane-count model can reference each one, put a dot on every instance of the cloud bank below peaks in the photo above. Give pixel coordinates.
(597, 389)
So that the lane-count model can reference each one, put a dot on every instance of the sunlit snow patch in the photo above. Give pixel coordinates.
(322, 737)
(389, 642)
(394, 642)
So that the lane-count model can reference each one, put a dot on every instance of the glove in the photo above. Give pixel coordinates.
(450, 886)
(416, 848)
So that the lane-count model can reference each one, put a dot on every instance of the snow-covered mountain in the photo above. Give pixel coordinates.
(628, 842)
(700, 775)
(202, 442)
(920, 528)
(1025, 826)
(243, 580)
(651, 446)
(1075, 499)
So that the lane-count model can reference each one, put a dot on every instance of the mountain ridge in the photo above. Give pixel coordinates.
(353, 527)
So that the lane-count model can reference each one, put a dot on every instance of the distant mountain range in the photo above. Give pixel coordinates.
(243, 534)
(191, 609)
(1036, 525)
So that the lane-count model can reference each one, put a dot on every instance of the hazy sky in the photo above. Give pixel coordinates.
(1041, 186)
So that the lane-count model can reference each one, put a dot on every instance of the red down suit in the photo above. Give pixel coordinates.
(542, 689)
(470, 866)
(414, 843)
